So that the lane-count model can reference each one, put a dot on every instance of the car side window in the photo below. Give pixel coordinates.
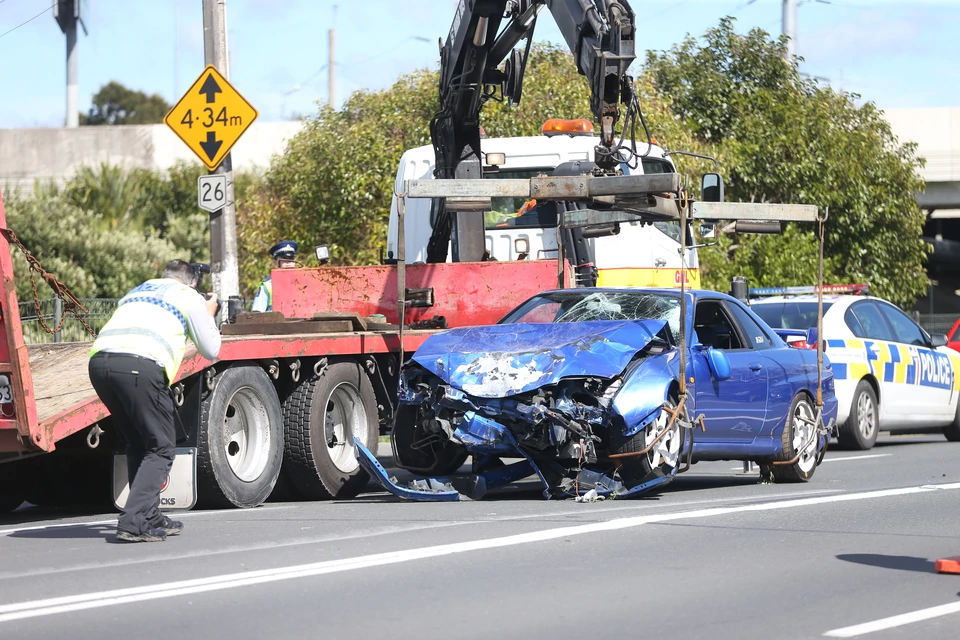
(754, 334)
(713, 326)
(853, 324)
(874, 326)
(904, 329)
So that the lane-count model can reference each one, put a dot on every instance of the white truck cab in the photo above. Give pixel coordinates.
(639, 255)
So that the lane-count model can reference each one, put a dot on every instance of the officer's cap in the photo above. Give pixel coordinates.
(284, 250)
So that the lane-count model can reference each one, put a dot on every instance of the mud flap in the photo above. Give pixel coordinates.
(178, 492)
(372, 466)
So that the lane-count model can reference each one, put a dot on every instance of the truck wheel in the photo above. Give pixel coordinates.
(798, 430)
(322, 416)
(241, 439)
(863, 424)
(663, 456)
(11, 487)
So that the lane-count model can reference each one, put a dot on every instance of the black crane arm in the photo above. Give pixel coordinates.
(601, 35)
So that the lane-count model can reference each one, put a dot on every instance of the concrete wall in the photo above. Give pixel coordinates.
(937, 134)
(30, 154)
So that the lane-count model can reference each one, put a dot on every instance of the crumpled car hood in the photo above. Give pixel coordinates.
(507, 359)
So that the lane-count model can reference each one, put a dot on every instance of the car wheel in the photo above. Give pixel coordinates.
(420, 450)
(863, 424)
(952, 430)
(322, 417)
(662, 456)
(800, 427)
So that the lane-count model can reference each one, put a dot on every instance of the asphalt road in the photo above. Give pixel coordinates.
(715, 555)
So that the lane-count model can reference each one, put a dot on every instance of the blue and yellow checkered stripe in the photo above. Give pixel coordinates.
(889, 362)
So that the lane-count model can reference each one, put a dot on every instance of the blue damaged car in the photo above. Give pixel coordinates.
(582, 388)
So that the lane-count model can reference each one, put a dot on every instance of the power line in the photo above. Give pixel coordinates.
(29, 21)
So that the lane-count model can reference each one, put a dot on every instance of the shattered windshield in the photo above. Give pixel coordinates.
(588, 306)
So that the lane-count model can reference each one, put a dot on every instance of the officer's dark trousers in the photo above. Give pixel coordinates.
(135, 391)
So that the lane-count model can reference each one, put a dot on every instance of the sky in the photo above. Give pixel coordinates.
(902, 53)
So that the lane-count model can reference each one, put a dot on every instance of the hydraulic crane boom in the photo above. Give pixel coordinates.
(600, 33)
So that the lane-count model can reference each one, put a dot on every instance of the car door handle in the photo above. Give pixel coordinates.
(755, 366)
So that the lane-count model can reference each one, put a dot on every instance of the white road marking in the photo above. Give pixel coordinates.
(872, 455)
(113, 521)
(94, 600)
(894, 621)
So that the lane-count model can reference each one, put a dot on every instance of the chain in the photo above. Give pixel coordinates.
(71, 302)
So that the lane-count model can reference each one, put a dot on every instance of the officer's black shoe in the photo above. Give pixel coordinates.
(150, 535)
(172, 527)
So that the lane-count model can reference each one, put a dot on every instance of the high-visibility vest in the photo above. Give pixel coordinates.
(266, 288)
(151, 322)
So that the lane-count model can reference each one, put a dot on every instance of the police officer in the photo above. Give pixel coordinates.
(284, 255)
(132, 364)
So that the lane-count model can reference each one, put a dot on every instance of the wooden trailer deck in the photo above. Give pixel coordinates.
(60, 379)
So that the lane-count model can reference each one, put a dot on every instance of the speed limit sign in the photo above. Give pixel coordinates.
(212, 192)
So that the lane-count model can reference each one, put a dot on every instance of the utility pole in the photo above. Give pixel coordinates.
(67, 15)
(224, 269)
(790, 27)
(331, 73)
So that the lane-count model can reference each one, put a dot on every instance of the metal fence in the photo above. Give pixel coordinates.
(936, 322)
(51, 309)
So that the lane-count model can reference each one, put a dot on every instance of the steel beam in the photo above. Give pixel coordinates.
(545, 188)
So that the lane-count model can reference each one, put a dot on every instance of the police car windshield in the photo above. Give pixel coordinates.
(789, 314)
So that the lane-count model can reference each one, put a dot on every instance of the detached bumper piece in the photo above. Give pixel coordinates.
(588, 486)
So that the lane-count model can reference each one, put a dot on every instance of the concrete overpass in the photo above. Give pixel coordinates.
(937, 134)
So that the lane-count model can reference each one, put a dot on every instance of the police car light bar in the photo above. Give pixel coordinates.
(852, 289)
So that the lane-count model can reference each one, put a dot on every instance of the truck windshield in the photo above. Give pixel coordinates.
(506, 210)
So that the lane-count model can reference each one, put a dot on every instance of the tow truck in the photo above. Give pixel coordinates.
(295, 394)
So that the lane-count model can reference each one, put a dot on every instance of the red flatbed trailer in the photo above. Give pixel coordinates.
(322, 325)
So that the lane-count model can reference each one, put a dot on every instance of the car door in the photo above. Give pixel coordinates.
(734, 409)
(929, 398)
(881, 350)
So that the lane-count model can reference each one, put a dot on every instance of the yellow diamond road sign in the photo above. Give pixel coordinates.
(210, 117)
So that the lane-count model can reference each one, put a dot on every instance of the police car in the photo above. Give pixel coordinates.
(889, 372)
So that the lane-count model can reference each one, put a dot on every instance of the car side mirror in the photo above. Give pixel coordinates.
(708, 231)
(716, 360)
(938, 340)
(711, 187)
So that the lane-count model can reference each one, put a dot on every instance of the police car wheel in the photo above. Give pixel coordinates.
(952, 430)
(322, 416)
(797, 432)
(240, 445)
(863, 424)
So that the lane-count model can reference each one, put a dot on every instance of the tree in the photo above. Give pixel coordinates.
(782, 138)
(116, 104)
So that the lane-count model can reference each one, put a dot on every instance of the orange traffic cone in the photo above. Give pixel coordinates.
(948, 565)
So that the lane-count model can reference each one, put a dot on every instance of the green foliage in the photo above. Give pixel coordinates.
(786, 139)
(116, 104)
(68, 242)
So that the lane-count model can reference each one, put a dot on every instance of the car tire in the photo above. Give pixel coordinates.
(797, 429)
(661, 458)
(863, 424)
(240, 445)
(439, 459)
(952, 430)
(322, 416)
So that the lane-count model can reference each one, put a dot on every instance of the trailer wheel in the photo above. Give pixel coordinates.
(11, 487)
(241, 439)
(322, 416)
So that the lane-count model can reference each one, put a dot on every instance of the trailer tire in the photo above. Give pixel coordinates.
(11, 487)
(240, 444)
(322, 415)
